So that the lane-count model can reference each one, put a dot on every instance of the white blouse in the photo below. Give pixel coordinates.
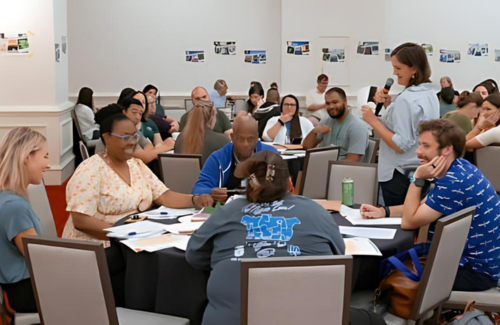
(306, 126)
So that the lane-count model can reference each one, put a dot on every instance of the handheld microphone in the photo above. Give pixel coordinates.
(386, 89)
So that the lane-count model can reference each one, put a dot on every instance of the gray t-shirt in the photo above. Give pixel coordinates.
(290, 227)
(351, 135)
(16, 215)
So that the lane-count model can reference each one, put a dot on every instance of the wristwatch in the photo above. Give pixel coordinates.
(419, 182)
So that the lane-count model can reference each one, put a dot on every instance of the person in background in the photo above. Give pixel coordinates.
(468, 108)
(250, 105)
(446, 101)
(289, 127)
(485, 131)
(446, 82)
(222, 123)
(458, 185)
(228, 235)
(273, 95)
(399, 126)
(110, 185)
(198, 136)
(127, 92)
(263, 110)
(273, 85)
(340, 128)
(152, 91)
(217, 175)
(485, 88)
(23, 160)
(218, 93)
(84, 111)
(164, 127)
(315, 100)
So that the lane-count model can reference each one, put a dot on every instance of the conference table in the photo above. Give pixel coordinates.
(164, 282)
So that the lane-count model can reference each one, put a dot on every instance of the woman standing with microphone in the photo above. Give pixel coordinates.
(398, 127)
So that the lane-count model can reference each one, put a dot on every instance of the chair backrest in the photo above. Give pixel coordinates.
(71, 281)
(315, 169)
(77, 124)
(188, 104)
(296, 290)
(240, 105)
(486, 160)
(39, 201)
(180, 172)
(371, 152)
(83, 150)
(364, 176)
(442, 262)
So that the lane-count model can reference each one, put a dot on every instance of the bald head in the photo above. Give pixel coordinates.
(245, 136)
(200, 93)
(245, 124)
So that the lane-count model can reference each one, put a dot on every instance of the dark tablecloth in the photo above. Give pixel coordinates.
(164, 282)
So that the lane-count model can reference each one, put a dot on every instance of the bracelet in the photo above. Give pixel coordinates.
(387, 212)
(192, 199)
(281, 122)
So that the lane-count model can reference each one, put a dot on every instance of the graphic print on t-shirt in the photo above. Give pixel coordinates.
(268, 230)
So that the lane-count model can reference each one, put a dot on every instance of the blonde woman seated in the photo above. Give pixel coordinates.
(468, 107)
(198, 136)
(113, 184)
(489, 119)
(289, 127)
(23, 159)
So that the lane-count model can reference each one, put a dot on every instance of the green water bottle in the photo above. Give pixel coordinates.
(347, 192)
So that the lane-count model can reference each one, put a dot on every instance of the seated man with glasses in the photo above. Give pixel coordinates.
(315, 100)
(222, 123)
(110, 185)
(340, 128)
(217, 176)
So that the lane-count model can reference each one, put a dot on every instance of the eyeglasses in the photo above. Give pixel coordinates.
(127, 138)
(290, 104)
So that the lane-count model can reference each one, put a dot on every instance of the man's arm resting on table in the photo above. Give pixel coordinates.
(415, 214)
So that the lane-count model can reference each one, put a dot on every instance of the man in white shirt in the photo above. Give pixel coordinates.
(218, 94)
(315, 100)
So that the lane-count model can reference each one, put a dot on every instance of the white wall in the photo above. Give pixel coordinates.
(126, 43)
(121, 43)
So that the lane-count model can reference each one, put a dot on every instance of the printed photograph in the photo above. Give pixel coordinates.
(195, 56)
(297, 47)
(477, 49)
(449, 56)
(333, 55)
(58, 53)
(497, 55)
(255, 56)
(429, 50)
(387, 56)
(14, 43)
(225, 48)
(368, 48)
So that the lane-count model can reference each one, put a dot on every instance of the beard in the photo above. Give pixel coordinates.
(340, 112)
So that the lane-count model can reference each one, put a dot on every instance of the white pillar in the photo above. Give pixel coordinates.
(34, 87)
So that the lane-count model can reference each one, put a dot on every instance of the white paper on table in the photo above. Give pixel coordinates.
(167, 213)
(361, 246)
(289, 157)
(156, 243)
(374, 233)
(137, 227)
(179, 228)
(294, 152)
(183, 246)
(132, 235)
(355, 218)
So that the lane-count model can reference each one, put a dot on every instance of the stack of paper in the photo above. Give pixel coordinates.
(168, 213)
(136, 230)
(156, 243)
(361, 246)
(186, 228)
(354, 217)
(374, 233)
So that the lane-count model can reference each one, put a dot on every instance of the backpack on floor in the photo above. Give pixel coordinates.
(472, 316)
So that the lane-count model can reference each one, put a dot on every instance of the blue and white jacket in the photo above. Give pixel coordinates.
(217, 168)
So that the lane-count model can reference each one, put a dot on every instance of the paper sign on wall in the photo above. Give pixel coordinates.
(334, 59)
(368, 48)
(297, 47)
(255, 56)
(225, 48)
(195, 56)
(477, 49)
(14, 44)
(449, 56)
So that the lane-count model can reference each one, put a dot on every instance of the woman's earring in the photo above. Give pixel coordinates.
(412, 76)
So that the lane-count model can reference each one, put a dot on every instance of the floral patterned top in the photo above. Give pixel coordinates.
(96, 190)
